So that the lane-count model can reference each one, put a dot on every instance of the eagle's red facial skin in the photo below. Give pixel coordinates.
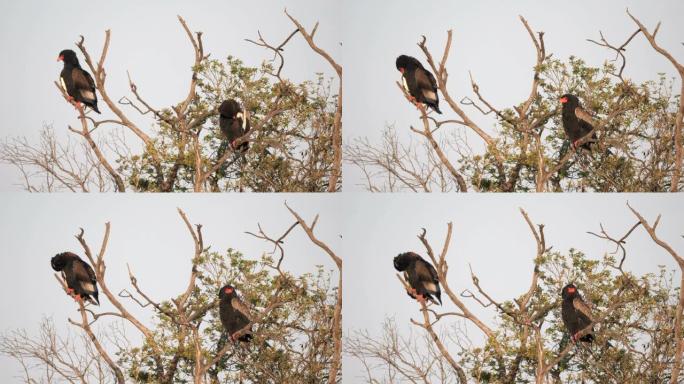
(228, 290)
(61, 58)
(564, 100)
(401, 70)
(571, 290)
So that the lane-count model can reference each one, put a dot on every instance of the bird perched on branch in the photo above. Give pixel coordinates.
(420, 275)
(577, 122)
(234, 314)
(418, 82)
(79, 275)
(77, 82)
(576, 314)
(234, 123)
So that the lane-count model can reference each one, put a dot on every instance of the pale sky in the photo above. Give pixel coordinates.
(148, 41)
(490, 235)
(147, 233)
(490, 41)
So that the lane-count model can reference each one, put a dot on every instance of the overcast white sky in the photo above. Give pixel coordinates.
(489, 234)
(490, 41)
(148, 41)
(147, 233)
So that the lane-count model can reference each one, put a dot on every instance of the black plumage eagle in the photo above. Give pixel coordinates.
(79, 275)
(418, 82)
(420, 275)
(234, 123)
(233, 313)
(577, 122)
(576, 314)
(77, 82)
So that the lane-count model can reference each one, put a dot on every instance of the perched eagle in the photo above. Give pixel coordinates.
(77, 83)
(234, 314)
(79, 276)
(418, 82)
(576, 314)
(421, 276)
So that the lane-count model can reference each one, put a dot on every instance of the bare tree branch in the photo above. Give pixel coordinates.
(337, 124)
